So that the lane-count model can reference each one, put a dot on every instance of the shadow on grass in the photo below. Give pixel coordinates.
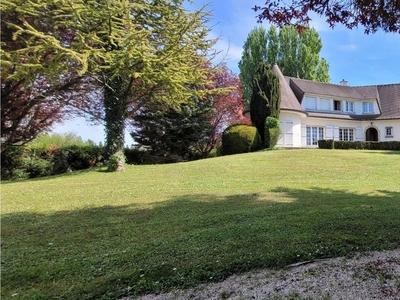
(107, 252)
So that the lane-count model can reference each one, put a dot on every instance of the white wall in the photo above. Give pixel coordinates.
(291, 129)
(381, 125)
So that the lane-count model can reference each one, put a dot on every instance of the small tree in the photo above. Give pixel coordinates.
(265, 101)
(176, 131)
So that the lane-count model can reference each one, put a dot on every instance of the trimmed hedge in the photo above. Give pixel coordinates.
(359, 145)
(240, 139)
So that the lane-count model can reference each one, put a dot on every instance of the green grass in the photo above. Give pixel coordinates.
(103, 235)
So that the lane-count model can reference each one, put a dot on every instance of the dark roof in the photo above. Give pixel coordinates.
(288, 98)
(303, 86)
(388, 96)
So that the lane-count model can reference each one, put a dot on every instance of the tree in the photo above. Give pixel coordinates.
(255, 51)
(371, 14)
(136, 51)
(228, 105)
(296, 54)
(175, 131)
(38, 89)
(265, 100)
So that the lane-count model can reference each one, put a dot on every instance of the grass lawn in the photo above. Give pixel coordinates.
(103, 235)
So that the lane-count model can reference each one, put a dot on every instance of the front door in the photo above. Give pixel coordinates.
(371, 135)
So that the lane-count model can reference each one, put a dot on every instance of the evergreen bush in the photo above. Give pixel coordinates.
(360, 145)
(240, 139)
(272, 127)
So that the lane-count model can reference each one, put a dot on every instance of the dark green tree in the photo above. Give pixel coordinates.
(265, 100)
(176, 131)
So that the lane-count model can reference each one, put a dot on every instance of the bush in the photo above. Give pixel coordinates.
(12, 160)
(240, 139)
(272, 132)
(134, 156)
(116, 162)
(325, 144)
(37, 167)
(359, 145)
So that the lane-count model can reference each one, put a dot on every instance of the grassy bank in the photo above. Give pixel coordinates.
(104, 235)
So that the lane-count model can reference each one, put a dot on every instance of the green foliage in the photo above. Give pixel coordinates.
(135, 55)
(116, 162)
(29, 161)
(254, 52)
(272, 126)
(59, 140)
(240, 139)
(177, 131)
(297, 55)
(12, 160)
(265, 101)
(35, 166)
(359, 145)
(325, 144)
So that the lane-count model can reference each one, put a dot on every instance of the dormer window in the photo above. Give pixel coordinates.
(368, 107)
(349, 106)
(337, 105)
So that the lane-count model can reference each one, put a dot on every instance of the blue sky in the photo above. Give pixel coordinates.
(352, 55)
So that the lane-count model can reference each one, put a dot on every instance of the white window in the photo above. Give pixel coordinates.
(314, 134)
(346, 134)
(349, 106)
(368, 107)
(337, 105)
(389, 131)
(310, 103)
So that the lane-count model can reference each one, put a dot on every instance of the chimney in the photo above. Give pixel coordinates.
(343, 82)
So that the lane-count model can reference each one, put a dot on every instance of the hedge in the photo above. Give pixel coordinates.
(240, 138)
(359, 145)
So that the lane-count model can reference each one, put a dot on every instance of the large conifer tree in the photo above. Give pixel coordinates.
(135, 50)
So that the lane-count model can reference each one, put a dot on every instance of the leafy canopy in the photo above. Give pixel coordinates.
(371, 14)
(297, 55)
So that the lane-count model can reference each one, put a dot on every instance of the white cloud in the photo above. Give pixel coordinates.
(348, 47)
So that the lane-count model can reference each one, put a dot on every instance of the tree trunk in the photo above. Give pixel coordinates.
(115, 114)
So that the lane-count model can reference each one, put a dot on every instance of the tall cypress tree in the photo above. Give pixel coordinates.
(265, 100)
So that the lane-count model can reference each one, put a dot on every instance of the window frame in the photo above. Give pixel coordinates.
(348, 103)
(370, 106)
(335, 103)
(389, 131)
(313, 134)
(346, 134)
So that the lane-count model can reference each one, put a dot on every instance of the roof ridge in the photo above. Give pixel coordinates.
(338, 84)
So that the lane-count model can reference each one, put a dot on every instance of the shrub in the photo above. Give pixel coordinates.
(12, 160)
(116, 162)
(134, 156)
(386, 145)
(272, 132)
(325, 144)
(240, 139)
(37, 167)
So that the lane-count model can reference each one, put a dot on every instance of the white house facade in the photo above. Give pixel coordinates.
(311, 111)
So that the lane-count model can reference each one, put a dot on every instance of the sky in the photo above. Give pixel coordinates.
(358, 58)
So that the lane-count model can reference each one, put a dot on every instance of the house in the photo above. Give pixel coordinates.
(311, 111)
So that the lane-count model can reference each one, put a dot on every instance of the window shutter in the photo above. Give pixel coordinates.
(336, 133)
(359, 135)
(329, 132)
